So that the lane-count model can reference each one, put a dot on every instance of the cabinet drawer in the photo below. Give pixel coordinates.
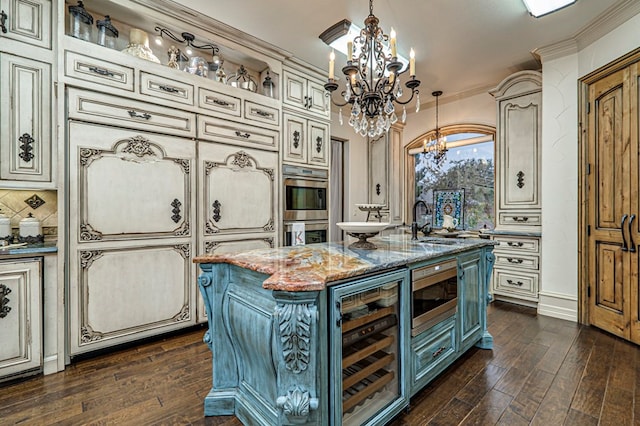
(167, 89)
(510, 259)
(261, 113)
(518, 284)
(433, 347)
(219, 102)
(97, 71)
(518, 244)
(520, 218)
(106, 109)
(225, 131)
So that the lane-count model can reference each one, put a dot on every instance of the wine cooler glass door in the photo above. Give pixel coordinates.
(367, 376)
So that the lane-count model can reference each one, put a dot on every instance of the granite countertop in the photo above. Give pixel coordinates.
(314, 266)
(29, 249)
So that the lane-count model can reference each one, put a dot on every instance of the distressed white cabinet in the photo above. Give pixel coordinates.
(305, 93)
(305, 141)
(27, 21)
(25, 120)
(385, 173)
(131, 235)
(20, 317)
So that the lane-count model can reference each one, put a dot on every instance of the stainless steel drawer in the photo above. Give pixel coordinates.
(98, 71)
(166, 89)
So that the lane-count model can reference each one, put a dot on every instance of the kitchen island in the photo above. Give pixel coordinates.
(324, 334)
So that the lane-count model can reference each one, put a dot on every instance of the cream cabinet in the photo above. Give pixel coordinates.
(131, 235)
(517, 268)
(305, 141)
(305, 93)
(20, 317)
(385, 173)
(25, 121)
(379, 171)
(27, 21)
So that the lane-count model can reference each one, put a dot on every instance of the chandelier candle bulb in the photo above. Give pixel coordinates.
(349, 50)
(332, 58)
(392, 43)
(412, 63)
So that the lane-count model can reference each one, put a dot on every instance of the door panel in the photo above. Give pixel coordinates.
(634, 228)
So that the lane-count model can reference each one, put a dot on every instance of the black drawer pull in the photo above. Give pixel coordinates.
(512, 260)
(243, 135)
(438, 352)
(518, 283)
(101, 71)
(221, 102)
(262, 113)
(134, 114)
(169, 89)
(3, 19)
(512, 244)
(520, 218)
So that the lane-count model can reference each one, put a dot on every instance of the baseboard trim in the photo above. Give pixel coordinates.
(557, 305)
(50, 364)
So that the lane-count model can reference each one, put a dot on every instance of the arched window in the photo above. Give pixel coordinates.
(465, 178)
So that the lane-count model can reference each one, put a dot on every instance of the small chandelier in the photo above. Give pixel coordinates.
(437, 147)
(373, 80)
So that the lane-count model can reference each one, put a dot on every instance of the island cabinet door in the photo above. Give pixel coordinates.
(471, 300)
(239, 190)
(368, 370)
(127, 184)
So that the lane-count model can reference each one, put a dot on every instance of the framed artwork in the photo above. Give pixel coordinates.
(448, 201)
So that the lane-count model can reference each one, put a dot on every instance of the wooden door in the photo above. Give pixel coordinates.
(634, 200)
(609, 204)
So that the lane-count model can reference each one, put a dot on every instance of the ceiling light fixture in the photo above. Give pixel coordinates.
(372, 77)
(438, 146)
(538, 8)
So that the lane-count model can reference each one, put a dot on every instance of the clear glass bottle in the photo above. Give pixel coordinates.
(80, 22)
(107, 33)
(267, 86)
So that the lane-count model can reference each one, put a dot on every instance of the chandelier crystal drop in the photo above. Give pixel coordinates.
(437, 147)
(372, 76)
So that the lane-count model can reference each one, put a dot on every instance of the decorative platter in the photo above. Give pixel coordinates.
(362, 231)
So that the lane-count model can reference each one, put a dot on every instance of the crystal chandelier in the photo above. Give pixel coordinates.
(437, 147)
(372, 77)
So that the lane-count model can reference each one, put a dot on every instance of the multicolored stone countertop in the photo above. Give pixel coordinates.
(314, 266)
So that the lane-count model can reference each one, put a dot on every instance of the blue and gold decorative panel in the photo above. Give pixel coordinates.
(448, 201)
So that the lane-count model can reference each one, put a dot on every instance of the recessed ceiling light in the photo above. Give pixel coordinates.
(538, 8)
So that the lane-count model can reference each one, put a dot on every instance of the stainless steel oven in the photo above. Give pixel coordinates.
(434, 294)
(305, 193)
(314, 232)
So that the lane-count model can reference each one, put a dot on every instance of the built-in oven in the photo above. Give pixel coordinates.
(305, 193)
(314, 232)
(434, 294)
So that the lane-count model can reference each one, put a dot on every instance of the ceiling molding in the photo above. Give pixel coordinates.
(607, 22)
(556, 50)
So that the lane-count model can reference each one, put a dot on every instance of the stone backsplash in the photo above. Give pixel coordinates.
(17, 204)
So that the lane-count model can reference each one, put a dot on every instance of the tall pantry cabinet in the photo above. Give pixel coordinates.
(518, 204)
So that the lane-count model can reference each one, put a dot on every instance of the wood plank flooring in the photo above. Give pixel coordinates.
(542, 371)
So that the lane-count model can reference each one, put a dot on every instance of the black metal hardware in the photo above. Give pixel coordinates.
(520, 219)
(243, 135)
(101, 71)
(624, 240)
(339, 320)
(3, 19)
(512, 244)
(220, 102)
(216, 211)
(262, 113)
(512, 260)
(296, 139)
(169, 89)
(378, 189)
(4, 301)
(319, 144)
(632, 244)
(518, 283)
(188, 39)
(520, 176)
(438, 352)
(26, 146)
(134, 114)
(176, 210)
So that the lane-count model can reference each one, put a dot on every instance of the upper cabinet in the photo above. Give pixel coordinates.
(26, 21)
(304, 93)
(305, 141)
(519, 127)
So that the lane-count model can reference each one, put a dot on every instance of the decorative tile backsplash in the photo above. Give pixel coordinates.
(17, 204)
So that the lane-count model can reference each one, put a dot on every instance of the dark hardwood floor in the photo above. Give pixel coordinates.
(542, 371)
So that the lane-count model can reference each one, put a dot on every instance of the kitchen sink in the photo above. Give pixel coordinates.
(435, 240)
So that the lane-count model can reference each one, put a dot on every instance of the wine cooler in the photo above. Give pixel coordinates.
(367, 367)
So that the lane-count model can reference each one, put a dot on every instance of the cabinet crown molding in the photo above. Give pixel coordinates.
(518, 84)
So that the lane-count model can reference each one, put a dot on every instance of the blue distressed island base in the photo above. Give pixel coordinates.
(326, 335)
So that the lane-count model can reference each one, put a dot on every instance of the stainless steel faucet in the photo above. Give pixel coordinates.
(414, 223)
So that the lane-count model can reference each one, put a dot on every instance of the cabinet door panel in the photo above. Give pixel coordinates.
(318, 101)
(295, 142)
(20, 317)
(28, 21)
(379, 171)
(130, 185)
(295, 89)
(125, 294)
(239, 189)
(319, 143)
(25, 129)
(471, 296)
